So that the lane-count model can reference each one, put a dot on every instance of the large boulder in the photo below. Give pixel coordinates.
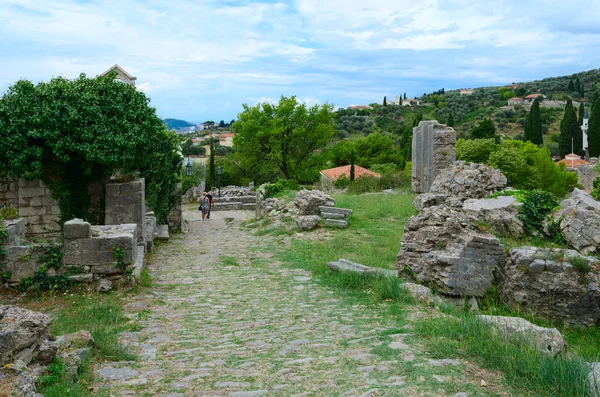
(557, 284)
(444, 247)
(499, 214)
(467, 181)
(308, 222)
(22, 332)
(579, 218)
(308, 201)
(546, 340)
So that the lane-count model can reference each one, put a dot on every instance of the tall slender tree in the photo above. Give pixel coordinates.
(570, 132)
(535, 120)
(211, 170)
(405, 96)
(594, 130)
(352, 170)
(578, 85)
(571, 86)
(580, 115)
(384, 101)
(527, 133)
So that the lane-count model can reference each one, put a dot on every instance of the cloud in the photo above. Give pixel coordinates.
(202, 60)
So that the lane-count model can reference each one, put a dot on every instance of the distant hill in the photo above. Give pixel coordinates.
(175, 124)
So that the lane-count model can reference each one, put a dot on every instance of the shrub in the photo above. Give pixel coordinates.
(596, 191)
(475, 150)
(364, 184)
(273, 189)
(536, 206)
(342, 182)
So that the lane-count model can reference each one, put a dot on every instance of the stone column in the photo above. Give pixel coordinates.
(432, 151)
(125, 203)
(175, 217)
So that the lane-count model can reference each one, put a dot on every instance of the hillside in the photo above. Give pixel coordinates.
(176, 124)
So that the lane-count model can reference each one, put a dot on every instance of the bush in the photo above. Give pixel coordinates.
(475, 150)
(364, 184)
(596, 191)
(273, 189)
(537, 205)
(342, 182)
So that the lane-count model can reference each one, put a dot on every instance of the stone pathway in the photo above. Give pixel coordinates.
(226, 319)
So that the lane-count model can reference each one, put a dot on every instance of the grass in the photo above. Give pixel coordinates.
(228, 260)
(524, 368)
(56, 383)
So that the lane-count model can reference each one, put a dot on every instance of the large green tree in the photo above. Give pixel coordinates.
(533, 127)
(570, 133)
(485, 129)
(285, 135)
(594, 130)
(69, 133)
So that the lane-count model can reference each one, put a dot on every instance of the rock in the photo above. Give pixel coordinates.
(500, 214)
(308, 222)
(15, 229)
(418, 291)
(343, 223)
(557, 284)
(77, 228)
(344, 265)
(546, 340)
(308, 201)
(467, 181)
(45, 353)
(432, 150)
(111, 373)
(579, 218)
(444, 247)
(425, 200)
(333, 210)
(17, 383)
(76, 339)
(74, 360)
(20, 329)
(104, 285)
(594, 379)
(163, 233)
(82, 278)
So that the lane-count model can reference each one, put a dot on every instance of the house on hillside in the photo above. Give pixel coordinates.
(226, 140)
(360, 107)
(466, 91)
(531, 97)
(572, 161)
(411, 102)
(515, 101)
(121, 75)
(329, 176)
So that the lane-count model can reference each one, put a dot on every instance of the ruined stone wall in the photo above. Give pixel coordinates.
(125, 203)
(587, 174)
(35, 204)
(432, 151)
(175, 217)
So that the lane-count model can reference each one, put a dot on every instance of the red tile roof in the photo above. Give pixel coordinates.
(226, 136)
(516, 99)
(572, 161)
(531, 96)
(334, 173)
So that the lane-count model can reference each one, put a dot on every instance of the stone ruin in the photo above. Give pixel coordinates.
(235, 198)
(432, 151)
(579, 218)
(27, 347)
(88, 251)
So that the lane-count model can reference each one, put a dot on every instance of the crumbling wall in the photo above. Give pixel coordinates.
(125, 203)
(432, 151)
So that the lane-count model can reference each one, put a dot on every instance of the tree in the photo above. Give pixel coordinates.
(594, 130)
(570, 134)
(352, 173)
(285, 135)
(384, 101)
(534, 126)
(571, 86)
(450, 122)
(475, 150)
(222, 124)
(577, 87)
(70, 133)
(581, 114)
(231, 122)
(485, 129)
(405, 96)
(211, 170)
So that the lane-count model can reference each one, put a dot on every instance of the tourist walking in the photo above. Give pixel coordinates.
(203, 200)
(211, 203)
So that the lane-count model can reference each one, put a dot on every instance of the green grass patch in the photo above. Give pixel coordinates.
(101, 315)
(228, 260)
(145, 278)
(522, 365)
(56, 383)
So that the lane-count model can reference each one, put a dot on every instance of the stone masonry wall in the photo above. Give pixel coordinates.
(587, 174)
(125, 203)
(432, 151)
(35, 204)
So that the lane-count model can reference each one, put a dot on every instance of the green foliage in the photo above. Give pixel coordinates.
(537, 205)
(485, 129)
(533, 128)
(364, 184)
(51, 258)
(352, 171)
(570, 132)
(285, 135)
(9, 213)
(475, 150)
(342, 182)
(274, 189)
(596, 190)
(190, 181)
(594, 129)
(212, 170)
(580, 264)
(189, 149)
(70, 133)
(3, 238)
(123, 266)
(376, 148)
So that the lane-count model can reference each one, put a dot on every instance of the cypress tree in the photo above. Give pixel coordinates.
(384, 101)
(578, 85)
(594, 130)
(571, 86)
(580, 115)
(405, 95)
(352, 176)
(536, 123)
(569, 131)
(211, 170)
(527, 133)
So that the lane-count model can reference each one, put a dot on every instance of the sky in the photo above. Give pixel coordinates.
(201, 60)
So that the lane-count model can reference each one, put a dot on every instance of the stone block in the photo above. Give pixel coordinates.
(333, 210)
(328, 215)
(77, 228)
(29, 192)
(124, 203)
(15, 229)
(342, 223)
(344, 265)
(308, 222)
(432, 150)
(21, 262)
(163, 232)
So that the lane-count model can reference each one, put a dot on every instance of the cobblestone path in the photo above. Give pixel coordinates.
(224, 318)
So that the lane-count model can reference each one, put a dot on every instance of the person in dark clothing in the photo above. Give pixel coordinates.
(211, 203)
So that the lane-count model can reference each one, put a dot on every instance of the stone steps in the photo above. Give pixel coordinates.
(234, 199)
(235, 205)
